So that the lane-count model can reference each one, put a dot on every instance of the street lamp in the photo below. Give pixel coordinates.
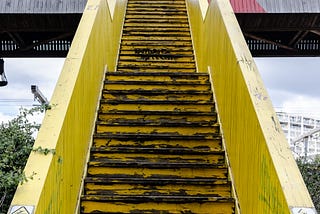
(3, 79)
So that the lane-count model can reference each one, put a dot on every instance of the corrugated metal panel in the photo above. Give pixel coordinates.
(42, 6)
(246, 6)
(275, 6)
(290, 6)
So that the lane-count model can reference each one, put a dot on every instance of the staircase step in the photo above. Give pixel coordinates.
(148, 205)
(158, 180)
(155, 19)
(160, 76)
(101, 169)
(143, 56)
(119, 117)
(157, 12)
(156, 136)
(154, 86)
(155, 158)
(167, 44)
(156, 189)
(155, 150)
(145, 129)
(165, 107)
(112, 97)
(155, 30)
(176, 2)
(152, 142)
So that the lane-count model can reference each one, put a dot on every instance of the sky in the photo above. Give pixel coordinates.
(292, 83)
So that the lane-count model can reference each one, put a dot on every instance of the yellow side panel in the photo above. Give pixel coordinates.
(264, 172)
(68, 125)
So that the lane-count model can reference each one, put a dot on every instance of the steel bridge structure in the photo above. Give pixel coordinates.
(159, 107)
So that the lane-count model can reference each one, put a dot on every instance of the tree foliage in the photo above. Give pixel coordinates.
(311, 175)
(16, 141)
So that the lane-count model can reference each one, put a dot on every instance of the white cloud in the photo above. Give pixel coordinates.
(307, 106)
(21, 74)
(292, 84)
(5, 118)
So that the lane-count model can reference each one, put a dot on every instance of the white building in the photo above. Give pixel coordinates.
(298, 126)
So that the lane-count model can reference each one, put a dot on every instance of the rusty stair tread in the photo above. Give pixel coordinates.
(157, 19)
(158, 112)
(180, 104)
(155, 123)
(214, 145)
(156, 30)
(168, 69)
(145, 83)
(178, 74)
(159, 180)
(168, 44)
(158, 120)
(157, 12)
(151, 3)
(172, 199)
(158, 136)
(155, 150)
(110, 163)
(156, 92)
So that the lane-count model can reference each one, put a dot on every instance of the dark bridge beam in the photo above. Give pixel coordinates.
(43, 28)
(37, 35)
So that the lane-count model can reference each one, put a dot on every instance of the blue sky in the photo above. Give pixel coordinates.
(292, 83)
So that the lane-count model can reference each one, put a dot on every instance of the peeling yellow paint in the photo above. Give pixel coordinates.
(265, 174)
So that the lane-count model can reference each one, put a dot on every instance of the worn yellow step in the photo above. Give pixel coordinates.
(168, 69)
(154, 30)
(212, 207)
(157, 11)
(167, 44)
(156, 15)
(122, 95)
(138, 116)
(146, 24)
(157, 68)
(162, 19)
(145, 170)
(133, 51)
(116, 85)
(157, 2)
(154, 38)
(156, 188)
(165, 128)
(196, 78)
(195, 143)
(155, 58)
(157, 107)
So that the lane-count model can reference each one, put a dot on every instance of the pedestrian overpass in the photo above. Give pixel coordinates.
(160, 108)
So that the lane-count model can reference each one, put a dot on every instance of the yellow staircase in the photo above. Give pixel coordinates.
(157, 146)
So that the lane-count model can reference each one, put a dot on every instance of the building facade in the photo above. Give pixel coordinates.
(297, 129)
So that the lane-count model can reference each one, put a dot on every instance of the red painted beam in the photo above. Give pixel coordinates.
(247, 6)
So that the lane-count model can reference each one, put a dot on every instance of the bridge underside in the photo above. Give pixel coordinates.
(37, 35)
(267, 34)
(281, 34)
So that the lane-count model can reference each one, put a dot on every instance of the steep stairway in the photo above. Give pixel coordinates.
(157, 146)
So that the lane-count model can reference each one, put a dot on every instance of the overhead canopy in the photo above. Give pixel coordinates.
(45, 28)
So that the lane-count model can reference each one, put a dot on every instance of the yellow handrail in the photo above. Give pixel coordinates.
(67, 126)
(265, 175)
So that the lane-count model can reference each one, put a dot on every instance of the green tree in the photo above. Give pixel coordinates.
(311, 175)
(16, 141)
